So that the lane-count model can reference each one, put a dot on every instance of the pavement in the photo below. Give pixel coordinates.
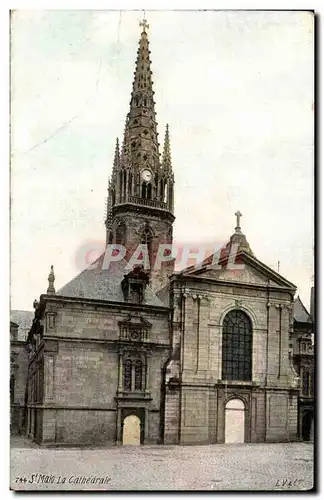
(239, 467)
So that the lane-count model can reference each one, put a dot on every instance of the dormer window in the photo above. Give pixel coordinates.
(134, 284)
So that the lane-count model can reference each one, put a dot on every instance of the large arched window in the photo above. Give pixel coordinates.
(120, 234)
(147, 239)
(237, 346)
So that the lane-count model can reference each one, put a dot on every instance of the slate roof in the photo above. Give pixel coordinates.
(24, 321)
(99, 283)
(300, 312)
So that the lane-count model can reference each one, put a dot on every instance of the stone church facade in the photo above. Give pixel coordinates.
(130, 353)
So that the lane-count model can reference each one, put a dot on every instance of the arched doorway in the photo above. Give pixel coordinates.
(234, 421)
(132, 430)
(308, 426)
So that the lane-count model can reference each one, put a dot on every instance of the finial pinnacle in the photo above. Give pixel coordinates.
(166, 157)
(51, 279)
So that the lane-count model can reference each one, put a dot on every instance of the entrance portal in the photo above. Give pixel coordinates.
(234, 421)
(132, 430)
(308, 426)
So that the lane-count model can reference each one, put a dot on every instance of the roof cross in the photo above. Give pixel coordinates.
(238, 217)
(145, 24)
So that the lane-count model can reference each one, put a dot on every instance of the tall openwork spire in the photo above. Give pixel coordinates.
(140, 145)
(142, 183)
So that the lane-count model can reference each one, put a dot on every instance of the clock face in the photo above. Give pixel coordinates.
(146, 175)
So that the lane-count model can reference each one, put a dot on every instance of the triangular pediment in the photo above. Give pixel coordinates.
(246, 269)
(136, 320)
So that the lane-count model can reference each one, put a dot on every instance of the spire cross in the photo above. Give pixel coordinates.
(144, 24)
(238, 217)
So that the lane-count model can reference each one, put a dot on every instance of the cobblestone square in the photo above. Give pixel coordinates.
(212, 467)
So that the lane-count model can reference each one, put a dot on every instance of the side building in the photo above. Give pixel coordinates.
(303, 347)
(231, 379)
(20, 324)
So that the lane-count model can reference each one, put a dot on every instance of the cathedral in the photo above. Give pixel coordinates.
(132, 352)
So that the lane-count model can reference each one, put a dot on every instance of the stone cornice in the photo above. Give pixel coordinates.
(60, 300)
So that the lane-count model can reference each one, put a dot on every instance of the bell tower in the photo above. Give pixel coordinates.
(141, 189)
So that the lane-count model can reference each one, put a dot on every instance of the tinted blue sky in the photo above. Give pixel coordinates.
(237, 91)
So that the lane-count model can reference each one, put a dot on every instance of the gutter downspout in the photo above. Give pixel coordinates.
(198, 326)
(182, 328)
(280, 335)
(267, 363)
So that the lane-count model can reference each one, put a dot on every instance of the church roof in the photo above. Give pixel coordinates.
(300, 312)
(98, 283)
(24, 321)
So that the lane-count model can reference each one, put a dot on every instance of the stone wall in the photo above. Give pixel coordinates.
(19, 373)
(82, 373)
(199, 310)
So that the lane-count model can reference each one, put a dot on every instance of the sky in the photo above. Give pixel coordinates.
(237, 91)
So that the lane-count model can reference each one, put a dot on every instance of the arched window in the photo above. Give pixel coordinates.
(165, 191)
(130, 184)
(307, 387)
(127, 375)
(133, 369)
(147, 239)
(237, 346)
(161, 189)
(138, 375)
(12, 389)
(120, 237)
(124, 184)
(146, 191)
